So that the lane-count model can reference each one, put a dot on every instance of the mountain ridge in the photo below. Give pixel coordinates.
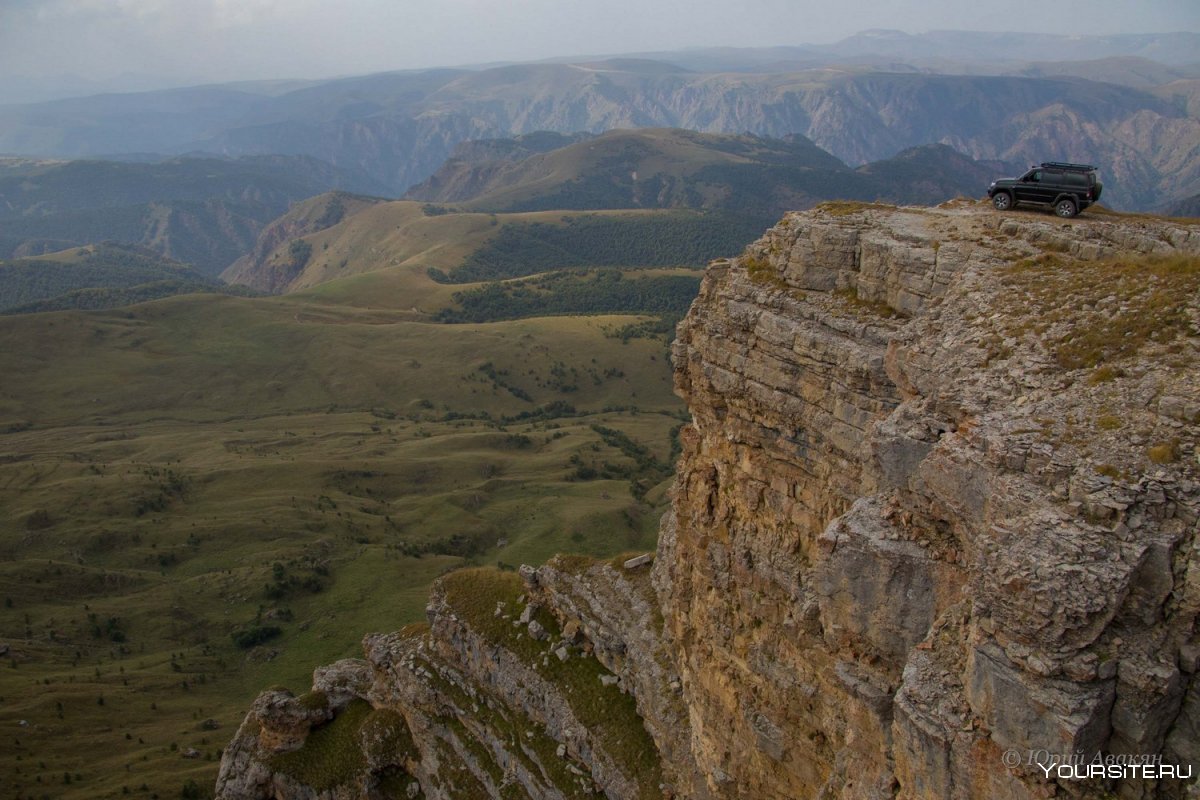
(402, 126)
(672, 168)
(206, 211)
(963, 49)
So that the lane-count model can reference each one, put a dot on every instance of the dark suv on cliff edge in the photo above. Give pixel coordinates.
(1067, 188)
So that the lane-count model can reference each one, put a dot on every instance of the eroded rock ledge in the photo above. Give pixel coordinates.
(938, 506)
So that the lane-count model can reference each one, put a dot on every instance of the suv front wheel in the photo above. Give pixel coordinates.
(1066, 208)
(1002, 201)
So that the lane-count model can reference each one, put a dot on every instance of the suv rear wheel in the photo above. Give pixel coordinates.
(1002, 201)
(1065, 208)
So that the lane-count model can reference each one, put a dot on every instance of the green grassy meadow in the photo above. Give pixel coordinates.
(290, 473)
(386, 238)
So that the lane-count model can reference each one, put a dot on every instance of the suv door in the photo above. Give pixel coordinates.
(1050, 186)
(1026, 189)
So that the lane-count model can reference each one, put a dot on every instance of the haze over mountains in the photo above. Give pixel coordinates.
(948, 51)
(865, 100)
(205, 211)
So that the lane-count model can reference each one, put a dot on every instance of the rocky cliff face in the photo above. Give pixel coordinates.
(919, 521)
(935, 524)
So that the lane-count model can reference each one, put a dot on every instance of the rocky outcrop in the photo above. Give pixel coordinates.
(513, 689)
(934, 529)
(907, 538)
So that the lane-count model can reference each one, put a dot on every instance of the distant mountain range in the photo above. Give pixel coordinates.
(974, 50)
(672, 168)
(945, 51)
(203, 211)
(507, 208)
(1187, 207)
(868, 99)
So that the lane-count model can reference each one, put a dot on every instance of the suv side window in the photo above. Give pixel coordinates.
(1076, 179)
(1052, 176)
(1033, 177)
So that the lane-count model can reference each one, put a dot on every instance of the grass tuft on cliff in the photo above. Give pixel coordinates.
(842, 208)
(607, 712)
(331, 755)
(854, 302)
(337, 753)
(762, 272)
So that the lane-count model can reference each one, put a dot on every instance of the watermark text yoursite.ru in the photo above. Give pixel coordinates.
(1085, 766)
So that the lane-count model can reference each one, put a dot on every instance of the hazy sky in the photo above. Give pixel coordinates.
(203, 40)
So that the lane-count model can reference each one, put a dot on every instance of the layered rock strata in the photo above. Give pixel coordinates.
(934, 525)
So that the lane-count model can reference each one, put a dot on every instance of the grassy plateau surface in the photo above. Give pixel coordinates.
(206, 495)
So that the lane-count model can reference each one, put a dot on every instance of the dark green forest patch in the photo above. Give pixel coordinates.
(602, 291)
(660, 240)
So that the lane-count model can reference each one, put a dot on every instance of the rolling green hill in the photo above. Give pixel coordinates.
(605, 291)
(281, 254)
(645, 168)
(405, 242)
(929, 175)
(656, 239)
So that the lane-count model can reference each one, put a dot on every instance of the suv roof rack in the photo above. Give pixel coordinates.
(1066, 165)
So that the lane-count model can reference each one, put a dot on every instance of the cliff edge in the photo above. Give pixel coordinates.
(934, 530)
